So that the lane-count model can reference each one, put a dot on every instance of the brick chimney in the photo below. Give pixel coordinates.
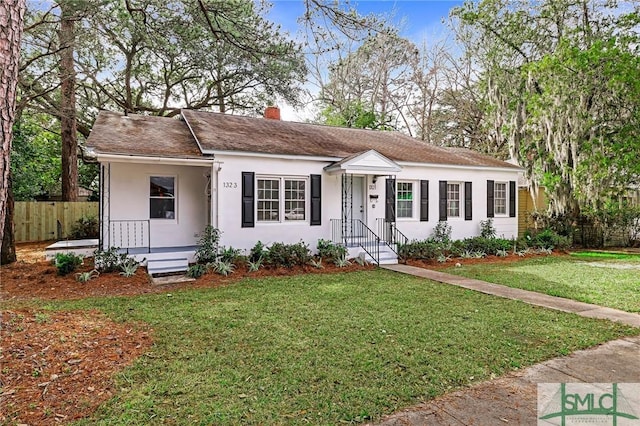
(272, 112)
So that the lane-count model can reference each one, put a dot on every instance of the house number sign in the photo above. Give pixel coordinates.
(229, 184)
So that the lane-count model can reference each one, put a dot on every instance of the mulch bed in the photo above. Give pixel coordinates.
(58, 366)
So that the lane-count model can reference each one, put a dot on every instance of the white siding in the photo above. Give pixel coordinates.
(129, 200)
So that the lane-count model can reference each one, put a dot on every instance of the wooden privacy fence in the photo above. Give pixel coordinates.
(49, 220)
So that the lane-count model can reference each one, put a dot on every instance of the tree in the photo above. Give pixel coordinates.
(560, 84)
(11, 25)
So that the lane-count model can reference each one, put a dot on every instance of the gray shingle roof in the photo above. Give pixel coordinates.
(156, 136)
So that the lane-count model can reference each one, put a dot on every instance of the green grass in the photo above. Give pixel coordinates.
(586, 281)
(324, 349)
(606, 255)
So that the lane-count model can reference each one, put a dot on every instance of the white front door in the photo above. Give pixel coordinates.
(358, 198)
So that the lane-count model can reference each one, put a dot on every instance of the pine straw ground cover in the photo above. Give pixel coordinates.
(321, 349)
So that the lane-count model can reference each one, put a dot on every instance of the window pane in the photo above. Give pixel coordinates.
(268, 200)
(453, 199)
(294, 200)
(404, 202)
(161, 186)
(500, 198)
(162, 208)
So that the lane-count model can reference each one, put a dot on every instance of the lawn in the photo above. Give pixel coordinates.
(327, 349)
(603, 280)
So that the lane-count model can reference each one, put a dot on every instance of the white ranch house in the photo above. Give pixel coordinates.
(162, 180)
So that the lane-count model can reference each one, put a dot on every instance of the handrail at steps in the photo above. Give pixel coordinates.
(355, 233)
(390, 234)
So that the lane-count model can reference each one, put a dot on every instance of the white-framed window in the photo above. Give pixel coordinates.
(268, 200)
(281, 199)
(405, 194)
(500, 198)
(453, 199)
(162, 197)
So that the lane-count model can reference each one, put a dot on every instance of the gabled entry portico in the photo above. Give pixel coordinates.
(365, 218)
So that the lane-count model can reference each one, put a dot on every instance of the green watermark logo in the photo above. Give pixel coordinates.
(567, 404)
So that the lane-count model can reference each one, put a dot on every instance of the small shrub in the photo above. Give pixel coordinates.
(208, 245)
(85, 227)
(221, 267)
(255, 265)
(442, 233)
(549, 239)
(420, 250)
(257, 252)
(196, 271)
(329, 250)
(487, 229)
(502, 253)
(84, 277)
(66, 263)
(442, 258)
(341, 262)
(229, 254)
(467, 254)
(109, 260)
(288, 255)
(360, 260)
(129, 266)
(316, 263)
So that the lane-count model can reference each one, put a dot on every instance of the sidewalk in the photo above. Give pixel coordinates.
(531, 297)
(512, 399)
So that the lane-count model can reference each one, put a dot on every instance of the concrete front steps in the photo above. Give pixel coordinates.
(386, 253)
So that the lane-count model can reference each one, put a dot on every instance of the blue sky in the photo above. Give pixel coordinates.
(422, 18)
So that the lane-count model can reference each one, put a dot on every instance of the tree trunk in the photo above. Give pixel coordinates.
(68, 125)
(11, 26)
(8, 254)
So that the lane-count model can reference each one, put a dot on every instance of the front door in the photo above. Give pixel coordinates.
(358, 198)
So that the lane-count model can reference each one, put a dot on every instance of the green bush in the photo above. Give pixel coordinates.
(208, 245)
(288, 255)
(109, 260)
(486, 245)
(442, 233)
(331, 251)
(85, 227)
(487, 229)
(421, 250)
(549, 239)
(66, 263)
(196, 271)
(257, 252)
(230, 254)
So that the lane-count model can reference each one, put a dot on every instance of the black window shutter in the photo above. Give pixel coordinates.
(248, 194)
(443, 201)
(316, 196)
(468, 215)
(390, 200)
(490, 206)
(512, 198)
(424, 200)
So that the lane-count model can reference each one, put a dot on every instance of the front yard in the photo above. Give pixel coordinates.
(602, 279)
(321, 349)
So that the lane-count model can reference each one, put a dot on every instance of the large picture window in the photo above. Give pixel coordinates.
(162, 197)
(453, 200)
(286, 195)
(404, 201)
(500, 198)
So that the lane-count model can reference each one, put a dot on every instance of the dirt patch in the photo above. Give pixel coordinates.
(58, 366)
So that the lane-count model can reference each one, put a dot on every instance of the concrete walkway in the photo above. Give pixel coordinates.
(531, 297)
(513, 399)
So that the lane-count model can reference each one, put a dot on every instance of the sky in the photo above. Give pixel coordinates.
(419, 20)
